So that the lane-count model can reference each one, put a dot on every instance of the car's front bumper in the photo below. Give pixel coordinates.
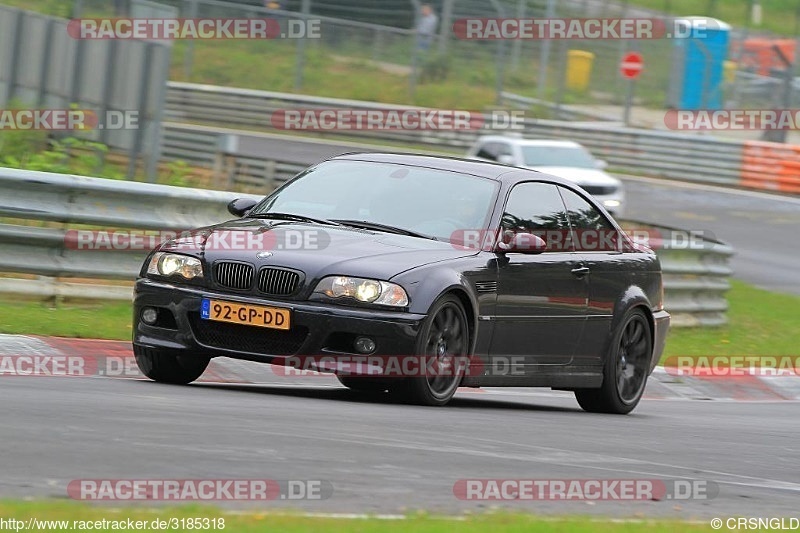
(661, 322)
(316, 328)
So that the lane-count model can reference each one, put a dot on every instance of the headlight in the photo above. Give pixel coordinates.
(166, 264)
(363, 290)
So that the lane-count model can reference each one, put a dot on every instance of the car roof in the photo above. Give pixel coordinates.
(483, 169)
(530, 142)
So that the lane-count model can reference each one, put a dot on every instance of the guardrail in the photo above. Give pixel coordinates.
(695, 280)
(695, 284)
(249, 160)
(682, 156)
(695, 275)
(58, 200)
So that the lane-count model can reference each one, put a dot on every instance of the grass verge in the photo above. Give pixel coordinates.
(74, 513)
(778, 16)
(100, 320)
(761, 323)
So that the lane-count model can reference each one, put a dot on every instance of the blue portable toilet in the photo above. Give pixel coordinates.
(698, 63)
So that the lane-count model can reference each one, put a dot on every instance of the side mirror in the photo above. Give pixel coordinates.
(522, 243)
(600, 164)
(506, 159)
(241, 206)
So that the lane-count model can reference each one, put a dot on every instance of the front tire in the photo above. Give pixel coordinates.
(169, 366)
(444, 337)
(625, 369)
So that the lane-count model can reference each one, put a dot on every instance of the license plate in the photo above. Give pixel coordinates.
(250, 315)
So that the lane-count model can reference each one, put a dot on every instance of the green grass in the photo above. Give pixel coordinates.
(83, 320)
(261, 521)
(55, 8)
(778, 16)
(760, 323)
(469, 84)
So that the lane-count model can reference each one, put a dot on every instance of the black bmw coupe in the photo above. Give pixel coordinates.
(414, 275)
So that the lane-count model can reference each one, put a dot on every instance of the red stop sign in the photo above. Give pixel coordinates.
(632, 65)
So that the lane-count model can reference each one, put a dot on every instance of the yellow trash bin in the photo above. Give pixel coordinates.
(729, 71)
(579, 69)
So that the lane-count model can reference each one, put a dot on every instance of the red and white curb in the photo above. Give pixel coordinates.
(114, 359)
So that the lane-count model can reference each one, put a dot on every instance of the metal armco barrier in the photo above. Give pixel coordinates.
(682, 156)
(120, 204)
(57, 199)
(251, 160)
(695, 278)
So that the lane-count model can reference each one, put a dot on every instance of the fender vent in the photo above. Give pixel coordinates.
(486, 286)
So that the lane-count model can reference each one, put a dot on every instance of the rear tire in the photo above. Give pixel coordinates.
(169, 366)
(625, 369)
(444, 336)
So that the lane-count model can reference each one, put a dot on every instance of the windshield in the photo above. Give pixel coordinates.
(557, 156)
(421, 200)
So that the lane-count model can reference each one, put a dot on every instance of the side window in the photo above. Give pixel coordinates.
(537, 208)
(591, 230)
(504, 149)
(488, 150)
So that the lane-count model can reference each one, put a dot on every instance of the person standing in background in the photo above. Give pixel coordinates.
(426, 27)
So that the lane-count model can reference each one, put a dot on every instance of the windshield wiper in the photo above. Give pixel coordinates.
(291, 216)
(383, 227)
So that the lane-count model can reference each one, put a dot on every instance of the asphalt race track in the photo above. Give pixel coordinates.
(762, 228)
(387, 458)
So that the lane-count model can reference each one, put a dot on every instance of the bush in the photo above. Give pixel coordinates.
(69, 155)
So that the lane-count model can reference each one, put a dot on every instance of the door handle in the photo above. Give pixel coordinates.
(580, 271)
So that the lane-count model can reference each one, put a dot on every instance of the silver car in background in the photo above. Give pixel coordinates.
(565, 159)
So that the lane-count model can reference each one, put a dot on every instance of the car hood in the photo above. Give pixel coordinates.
(580, 176)
(317, 250)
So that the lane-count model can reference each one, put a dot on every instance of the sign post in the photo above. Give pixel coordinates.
(630, 68)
